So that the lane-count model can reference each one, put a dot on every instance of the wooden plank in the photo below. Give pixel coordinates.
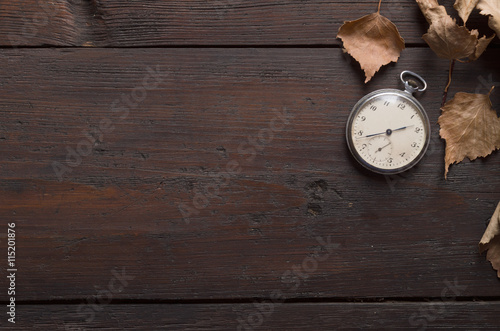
(116, 208)
(262, 315)
(199, 22)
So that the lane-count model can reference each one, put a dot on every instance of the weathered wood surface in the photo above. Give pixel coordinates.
(106, 147)
(199, 22)
(117, 209)
(434, 315)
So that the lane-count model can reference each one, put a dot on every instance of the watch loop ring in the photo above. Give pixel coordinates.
(412, 82)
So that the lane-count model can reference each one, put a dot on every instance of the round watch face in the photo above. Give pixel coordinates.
(388, 131)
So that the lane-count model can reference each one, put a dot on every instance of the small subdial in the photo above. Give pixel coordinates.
(379, 148)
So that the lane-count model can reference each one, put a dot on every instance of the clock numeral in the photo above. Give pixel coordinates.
(414, 144)
(417, 130)
(389, 160)
(386, 103)
(401, 106)
(360, 132)
(412, 116)
(373, 107)
(363, 118)
(363, 146)
(402, 154)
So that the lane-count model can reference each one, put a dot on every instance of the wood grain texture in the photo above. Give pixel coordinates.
(432, 315)
(198, 22)
(117, 209)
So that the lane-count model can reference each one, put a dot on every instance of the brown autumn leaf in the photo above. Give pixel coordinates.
(373, 41)
(492, 8)
(464, 8)
(482, 43)
(432, 11)
(446, 38)
(470, 127)
(491, 241)
(450, 41)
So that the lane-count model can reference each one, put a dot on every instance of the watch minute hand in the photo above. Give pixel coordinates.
(403, 127)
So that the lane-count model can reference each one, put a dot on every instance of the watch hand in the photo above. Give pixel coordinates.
(373, 134)
(387, 132)
(381, 148)
(403, 127)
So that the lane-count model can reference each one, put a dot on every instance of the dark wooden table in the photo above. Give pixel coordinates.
(181, 165)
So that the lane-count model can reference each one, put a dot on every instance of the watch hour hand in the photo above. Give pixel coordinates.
(371, 135)
(374, 134)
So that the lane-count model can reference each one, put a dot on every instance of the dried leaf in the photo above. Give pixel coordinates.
(446, 38)
(464, 8)
(482, 43)
(470, 127)
(491, 241)
(492, 8)
(450, 41)
(432, 11)
(373, 41)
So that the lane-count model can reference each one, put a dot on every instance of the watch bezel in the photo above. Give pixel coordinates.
(366, 99)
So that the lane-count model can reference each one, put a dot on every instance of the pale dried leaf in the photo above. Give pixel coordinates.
(445, 37)
(470, 127)
(432, 11)
(492, 8)
(491, 241)
(464, 8)
(450, 41)
(482, 43)
(373, 41)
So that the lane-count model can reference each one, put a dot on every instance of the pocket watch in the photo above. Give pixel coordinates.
(388, 130)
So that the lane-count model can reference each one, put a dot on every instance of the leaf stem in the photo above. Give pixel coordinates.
(450, 72)
(491, 90)
(378, 9)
